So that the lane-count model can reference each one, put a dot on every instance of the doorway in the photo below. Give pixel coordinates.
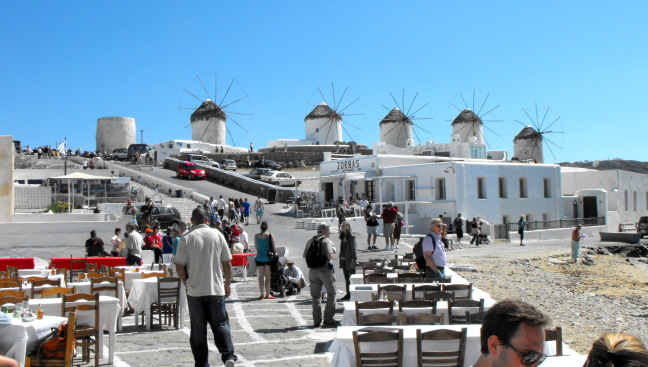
(589, 207)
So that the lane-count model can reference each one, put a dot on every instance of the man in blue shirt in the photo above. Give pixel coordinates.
(434, 252)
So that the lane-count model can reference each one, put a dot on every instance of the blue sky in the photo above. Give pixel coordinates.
(65, 64)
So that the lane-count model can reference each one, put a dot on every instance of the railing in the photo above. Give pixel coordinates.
(561, 223)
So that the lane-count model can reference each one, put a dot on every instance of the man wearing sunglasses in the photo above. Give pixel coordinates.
(512, 335)
(434, 252)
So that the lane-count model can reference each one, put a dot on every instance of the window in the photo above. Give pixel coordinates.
(634, 200)
(481, 188)
(440, 189)
(411, 191)
(523, 188)
(502, 188)
(547, 187)
(317, 129)
(369, 190)
(188, 146)
(626, 197)
(505, 219)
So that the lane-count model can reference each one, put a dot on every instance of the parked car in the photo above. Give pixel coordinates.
(256, 173)
(280, 178)
(642, 226)
(228, 164)
(267, 163)
(119, 154)
(190, 170)
(140, 148)
(202, 159)
(165, 215)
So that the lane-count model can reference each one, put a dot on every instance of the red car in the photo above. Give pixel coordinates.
(190, 170)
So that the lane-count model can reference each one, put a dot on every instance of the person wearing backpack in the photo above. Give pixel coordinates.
(318, 255)
(434, 252)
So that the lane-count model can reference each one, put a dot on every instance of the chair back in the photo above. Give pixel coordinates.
(417, 303)
(377, 319)
(419, 290)
(392, 357)
(429, 356)
(439, 296)
(168, 290)
(106, 286)
(13, 299)
(77, 266)
(12, 271)
(461, 291)
(12, 293)
(409, 278)
(456, 317)
(475, 317)
(372, 305)
(69, 304)
(56, 292)
(159, 274)
(377, 279)
(70, 343)
(555, 334)
(421, 319)
(107, 271)
(37, 286)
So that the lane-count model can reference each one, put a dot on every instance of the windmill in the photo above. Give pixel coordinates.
(213, 121)
(396, 128)
(468, 126)
(325, 124)
(528, 144)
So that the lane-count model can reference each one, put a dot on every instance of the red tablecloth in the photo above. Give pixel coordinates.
(20, 263)
(241, 259)
(64, 262)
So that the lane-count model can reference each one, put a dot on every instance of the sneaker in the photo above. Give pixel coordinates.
(331, 323)
(229, 363)
(386, 248)
(397, 247)
(374, 247)
(346, 298)
(317, 324)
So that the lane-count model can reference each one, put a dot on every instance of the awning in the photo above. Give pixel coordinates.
(81, 176)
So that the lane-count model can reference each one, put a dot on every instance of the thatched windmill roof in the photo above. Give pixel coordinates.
(395, 116)
(527, 133)
(322, 110)
(467, 116)
(208, 110)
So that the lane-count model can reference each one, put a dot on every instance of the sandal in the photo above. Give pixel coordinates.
(261, 297)
(270, 297)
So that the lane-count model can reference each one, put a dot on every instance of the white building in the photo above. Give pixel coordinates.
(177, 147)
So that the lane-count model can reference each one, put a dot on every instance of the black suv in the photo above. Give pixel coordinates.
(166, 216)
(268, 163)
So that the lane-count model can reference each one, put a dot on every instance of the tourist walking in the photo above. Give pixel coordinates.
(321, 274)
(521, 225)
(220, 207)
(371, 220)
(575, 243)
(258, 209)
(246, 211)
(348, 256)
(265, 244)
(434, 251)
(203, 262)
(340, 212)
(388, 216)
(474, 232)
(134, 244)
(458, 227)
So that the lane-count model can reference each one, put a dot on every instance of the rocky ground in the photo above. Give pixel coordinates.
(586, 301)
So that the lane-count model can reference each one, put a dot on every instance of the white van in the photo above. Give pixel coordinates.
(199, 158)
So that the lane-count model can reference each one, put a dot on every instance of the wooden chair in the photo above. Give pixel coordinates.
(10, 283)
(161, 267)
(409, 278)
(93, 275)
(159, 274)
(428, 357)
(461, 291)
(107, 271)
(439, 296)
(37, 286)
(378, 279)
(377, 319)
(369, 268)
(87, 335)
(106, 286)
(391, 291)
(70, 346)
(555, 334)
(417, 303)
(63, 272)
(75, 269)
(92, 267)
(455, 317)
(421, 319)
(424, 288)
(12, 293)
(13, 299)
(390, 358)
(12, 271)
(373, 305)
(56, 292)
(30, 279)
(168, 301)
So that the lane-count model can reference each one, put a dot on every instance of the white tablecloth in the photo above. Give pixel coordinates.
(17, 338)
(349, 314)
(343, 352)
(144, 293)
(131, 275)
(109, 311)
(82, 287)
(454, 277)
(363, 292)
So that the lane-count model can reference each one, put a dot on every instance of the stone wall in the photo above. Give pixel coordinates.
(288, 159)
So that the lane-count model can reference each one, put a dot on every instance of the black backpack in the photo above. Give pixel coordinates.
(418, 252)
(315, 256)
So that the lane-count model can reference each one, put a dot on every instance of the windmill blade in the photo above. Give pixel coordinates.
(411, 104)
(537, 119)
(186, 108)
(530, 119)
(394, 99)
(350, 124)
(417, 137)
(385, 107)
(231, 137)
(554, 121)
(473, 101)
(206, 128)
(322, 94)
(347, 106)
(239, 113)
(463, 99)
(491, 130)
(483, 103)
(529, 141)
(419, 126)
(551, 142)
(203, 86)
(544, 117)
(334, 102)
(463, 127)
(422, 107)
(551, 150)
(343, 93)
(231, 103)
(472, 130)
(215, 86)
(237, 124)
(348, 133)
(227, 91)
(328, 132)
(458, 109)
(201, 101)
(489, 111)
(403, 101)
(520, 123)
(320, 128)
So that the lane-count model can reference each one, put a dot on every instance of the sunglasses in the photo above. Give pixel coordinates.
(529, 358)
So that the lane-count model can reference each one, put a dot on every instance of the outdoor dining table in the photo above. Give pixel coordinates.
(109, 311)
(31, 272)
(130, 274)
(144, 292)
(84, 287)
(19, 262)
(18, 337)
(363, 292)
(65, 263)
(28, 288)
(454, 277)
(242, 261)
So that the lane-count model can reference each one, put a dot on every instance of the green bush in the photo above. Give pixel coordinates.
(59, 206)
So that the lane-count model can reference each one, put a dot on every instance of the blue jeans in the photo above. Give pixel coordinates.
(203, 310)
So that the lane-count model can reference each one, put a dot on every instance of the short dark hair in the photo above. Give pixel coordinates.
(504, 319)
(198, 215)
(264, 226)
(93, 233)
(617, 349)
(117, 230)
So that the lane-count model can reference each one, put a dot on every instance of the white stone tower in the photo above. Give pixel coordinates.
(323, 125)
(396, 129)
(527, 144)
(115, 132)
(468, 125)
(208, 123)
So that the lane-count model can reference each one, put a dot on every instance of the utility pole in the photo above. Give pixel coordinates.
(142, 136)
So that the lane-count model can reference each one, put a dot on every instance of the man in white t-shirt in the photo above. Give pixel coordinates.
(220, 207)
(203, 261)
